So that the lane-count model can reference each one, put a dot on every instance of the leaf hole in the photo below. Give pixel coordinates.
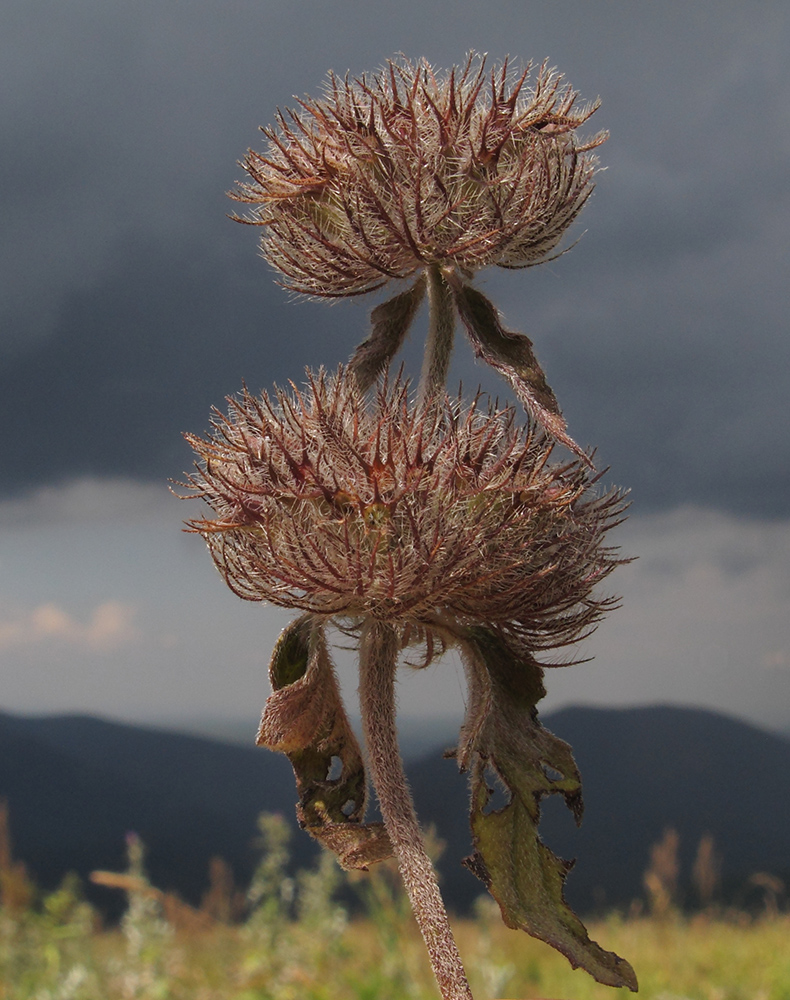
(348, 807)
(552, 773)
(500, 796)
(335, 769)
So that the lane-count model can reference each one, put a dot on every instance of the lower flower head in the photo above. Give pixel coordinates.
(439, 517)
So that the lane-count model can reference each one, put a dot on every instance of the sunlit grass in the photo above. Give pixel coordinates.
(377, 958)
(675, 959)
(297, 943)
(697, 959)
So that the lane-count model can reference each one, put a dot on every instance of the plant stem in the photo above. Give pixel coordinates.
(439, 344)
(378, 660)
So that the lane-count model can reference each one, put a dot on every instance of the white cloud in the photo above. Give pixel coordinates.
(88, 501)
(777, 659)
(704, 619)
(109, 626)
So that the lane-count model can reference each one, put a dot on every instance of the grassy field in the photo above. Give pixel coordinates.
(297, 943)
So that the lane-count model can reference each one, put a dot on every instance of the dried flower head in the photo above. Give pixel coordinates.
(410, 173)
(418, 518)
(415, 526)
(387, 175)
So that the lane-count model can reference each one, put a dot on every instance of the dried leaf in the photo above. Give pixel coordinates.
(304, 718)
(357, 845)
(502, 733)
(391, 321)
(511, 354)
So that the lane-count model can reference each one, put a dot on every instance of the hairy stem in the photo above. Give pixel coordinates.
(378, 656)
(439, 344)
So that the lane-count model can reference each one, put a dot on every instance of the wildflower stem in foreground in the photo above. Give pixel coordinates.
(378, 662)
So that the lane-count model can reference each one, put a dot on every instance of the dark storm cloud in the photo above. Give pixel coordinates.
(130, 304)
(142, 357)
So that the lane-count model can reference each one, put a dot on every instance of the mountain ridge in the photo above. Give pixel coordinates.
(77, 784)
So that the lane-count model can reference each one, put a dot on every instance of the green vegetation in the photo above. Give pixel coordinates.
(290, 939)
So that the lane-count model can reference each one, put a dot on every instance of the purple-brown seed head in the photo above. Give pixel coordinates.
(428, 519)
(387, 175)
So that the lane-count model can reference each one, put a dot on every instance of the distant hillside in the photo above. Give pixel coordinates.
(419, 735)
(643, 770)
(76, 785)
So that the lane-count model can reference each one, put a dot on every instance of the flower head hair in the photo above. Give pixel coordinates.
(388, 175)
(436, 519)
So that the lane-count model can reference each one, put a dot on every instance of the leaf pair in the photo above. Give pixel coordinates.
(304, 718)
(511, 354)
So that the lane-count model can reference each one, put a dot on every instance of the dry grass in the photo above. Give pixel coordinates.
(675, 959)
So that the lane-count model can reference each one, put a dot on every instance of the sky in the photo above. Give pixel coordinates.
(130, 305)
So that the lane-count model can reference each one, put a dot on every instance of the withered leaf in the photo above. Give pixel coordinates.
(511, 354)
(391, 321)
(304, 718)
(357, 845)
(502, 734)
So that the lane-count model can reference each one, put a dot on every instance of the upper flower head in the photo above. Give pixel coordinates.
(437, 519)
(387, 175)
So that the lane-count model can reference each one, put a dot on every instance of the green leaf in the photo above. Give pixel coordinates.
(391, 321)
(502, 734)
(304, 718)
(511, 354)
